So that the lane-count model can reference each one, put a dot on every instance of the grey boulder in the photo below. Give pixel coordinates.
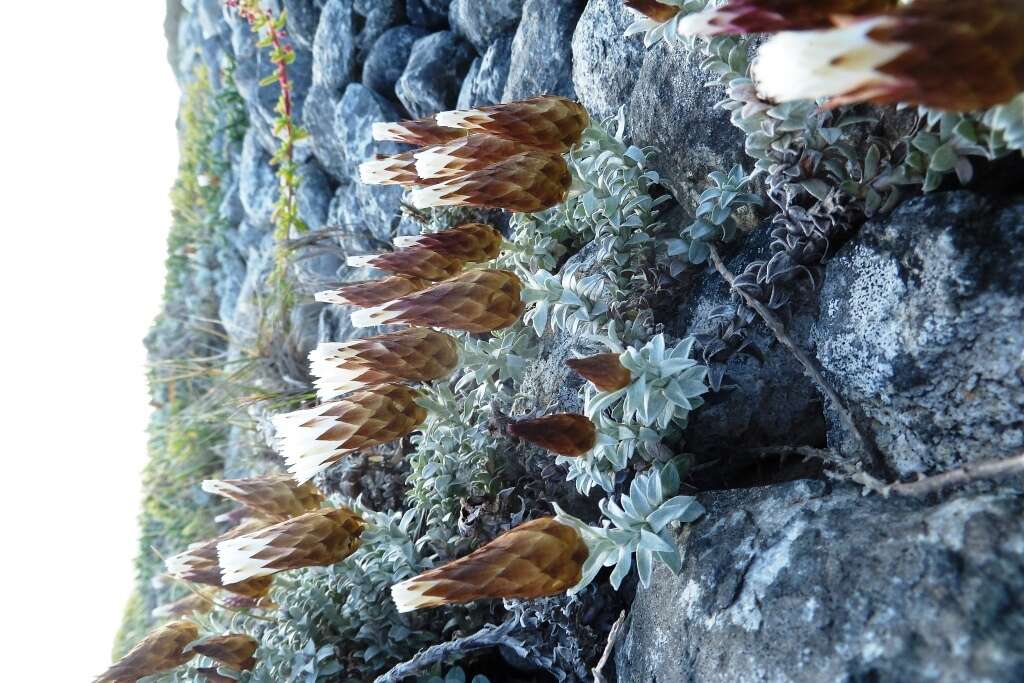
(437, 65)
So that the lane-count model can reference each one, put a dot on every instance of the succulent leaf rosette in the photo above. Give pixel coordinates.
(638, 524)
(666, 383)
(578, 305)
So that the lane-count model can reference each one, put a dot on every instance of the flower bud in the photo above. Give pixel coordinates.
(372, 292)
(604, 371)
(465, 155)
(565, 433)
(412, 262)
(420, 132)
(160, 651)
(273, 497)
(769, 16)
(471, 242)
(548, 122)
(234, 650)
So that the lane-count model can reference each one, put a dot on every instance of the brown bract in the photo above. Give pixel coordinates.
(525, 183)
(565, 433)
(471, 153)
(548, 122)
(315, 539)
(190, 604)
(536, 559)
(604, 371)
(234, 650)
(199, 565)
(419, 132)
(652, 9)
(398, 169)
(415, 262)
(471, 242)
(475, 301)
(372, 292)
(769, 16)
(274, 497)
(963, 56)
(161, 650)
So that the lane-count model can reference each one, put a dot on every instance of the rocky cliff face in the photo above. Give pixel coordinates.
(919, 324)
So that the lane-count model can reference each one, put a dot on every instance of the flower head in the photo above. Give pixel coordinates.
(535, 559)
(198, 564)
(234, 650)
(161, 650)
(315, 539)
(412, 262)
(475, 301)
(470, 242)
(312, 439)
(769, 16)
(547, 122)
(420, 132)
(399, 169)
(652, 9)
(955, 56)
(190, 604)
(372, 292)
(274, 497)
(565, 433)
(527, 183)
(417, 354)
(464, 155)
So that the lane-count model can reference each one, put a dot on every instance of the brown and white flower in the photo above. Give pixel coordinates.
(472, 153)
(160, 651)
(526, 183)
(548, 122)
(954, 56)
(419, 132)
(274, 497)
(399, 169)
(414, 355)
(475, 301)
(539, 558)
(653, 10)
(470, 242)
(415, 262)
(198, 564)
(315, 539)
(769, 16)
(372, 292)
(314, 438)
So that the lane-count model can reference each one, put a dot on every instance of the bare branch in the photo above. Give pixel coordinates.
(923, 486)
(811, 366)
(618, 628)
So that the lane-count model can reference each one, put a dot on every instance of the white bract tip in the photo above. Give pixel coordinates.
(800, 65)
(375, 315)
(701, 23)
(403, 241)
(409, 595)
(237, 559)
(456, 118)
(444, 194)
(384, 131)
(360, 261)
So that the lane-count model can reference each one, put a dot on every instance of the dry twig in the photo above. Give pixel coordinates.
(618, 628)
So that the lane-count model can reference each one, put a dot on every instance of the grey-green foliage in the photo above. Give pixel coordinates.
(617, 443)
(453, 675)
(567, 302)
(489, 365)
(455, 459)
(715, 219)
(638, 525)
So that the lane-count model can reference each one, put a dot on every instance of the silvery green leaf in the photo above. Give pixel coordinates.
(622, 567)
(675, 365)
(673, 560)
(654, 543)
(644, 566)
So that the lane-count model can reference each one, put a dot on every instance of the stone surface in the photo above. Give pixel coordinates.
(485, 82)
(430, 82)
(303, 20)
(541, 61)
(377, 16)
(481, 22)
(334, 46)
(795, 583)
(667, 104)
(370, 215)
(921, 328)
(257, 182)
(420, 13)
(354, 117)
(325, 141)
(388, 58)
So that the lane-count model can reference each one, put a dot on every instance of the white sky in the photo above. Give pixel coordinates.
(89, 153)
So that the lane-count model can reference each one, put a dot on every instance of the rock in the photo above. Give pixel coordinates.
(354, 117)
(210, 14)
(314, 196)
(243, 327)
(920, 327)
(605, 65)
(231, 210)
(370, 215)
(437, 65)
(482, 22)
(303, 20)
(388, 58)
(325, 142)
(793, 583)
(257, 182)
(769, 402)
(420, 13)
(378, 17)
(230, 276)
(486, 80)
(334, 47)
(667, 104)
(541, 61)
